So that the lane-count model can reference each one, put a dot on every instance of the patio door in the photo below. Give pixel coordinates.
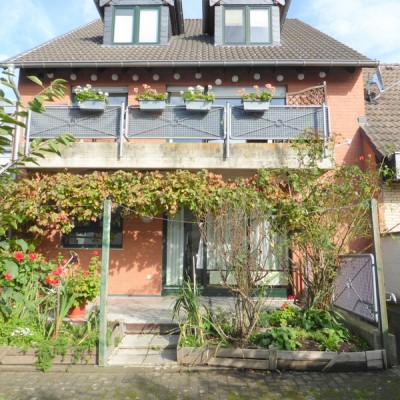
(184, 251)
(186, 256)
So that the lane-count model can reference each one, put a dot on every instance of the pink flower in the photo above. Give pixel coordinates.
(135, 90)
(7, 276)
(95, 252)
(290, 297)
(362, 158)
(19, 255)
(256, 87)
(33, 256)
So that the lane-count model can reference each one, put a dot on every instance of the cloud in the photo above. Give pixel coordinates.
(370, 27)
(20, 31)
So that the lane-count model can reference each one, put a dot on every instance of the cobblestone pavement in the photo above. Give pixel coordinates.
(134, 383)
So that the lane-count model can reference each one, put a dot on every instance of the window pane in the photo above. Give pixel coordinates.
(234, 26)
(88, 234)
(259, 26)
(123, 26)
(148, 26)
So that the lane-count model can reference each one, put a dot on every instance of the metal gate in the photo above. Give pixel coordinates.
(356, 286)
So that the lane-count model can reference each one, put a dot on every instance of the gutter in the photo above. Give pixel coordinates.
(197, 64)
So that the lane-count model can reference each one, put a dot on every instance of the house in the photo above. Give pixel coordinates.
(382, 141)
(6, 154)
(237, 44)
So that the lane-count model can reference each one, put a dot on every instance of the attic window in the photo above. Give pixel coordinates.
(247, 25)
(136, 25)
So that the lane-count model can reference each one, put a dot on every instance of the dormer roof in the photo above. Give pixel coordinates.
(176, 11)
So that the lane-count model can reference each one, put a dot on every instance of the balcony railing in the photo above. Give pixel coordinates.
(221, 123)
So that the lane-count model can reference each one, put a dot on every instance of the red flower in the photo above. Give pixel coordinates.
(362, 158)
(290, 297)
(284, 305)
(42, 260)
(95, 252)
(7, 276)
(19, 255)
(86, 273)
(32, 256)
(58, 271)
(52, 279)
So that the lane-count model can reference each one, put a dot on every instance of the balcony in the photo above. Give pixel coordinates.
(222, 138)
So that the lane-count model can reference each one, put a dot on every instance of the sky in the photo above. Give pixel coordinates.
(368, 26)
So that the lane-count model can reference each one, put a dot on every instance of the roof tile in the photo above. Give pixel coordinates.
(300, 42)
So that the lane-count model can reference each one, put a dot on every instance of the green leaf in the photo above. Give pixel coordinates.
(22, 244)
(5, 245)
(11, 267)
(36, 80)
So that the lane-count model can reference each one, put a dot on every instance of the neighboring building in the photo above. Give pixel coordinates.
(5, 157)
(382, 133)
(237, 44)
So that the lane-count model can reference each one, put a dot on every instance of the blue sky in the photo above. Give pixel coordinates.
(369, 26)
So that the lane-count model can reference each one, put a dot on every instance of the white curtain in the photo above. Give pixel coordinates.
(175, 249)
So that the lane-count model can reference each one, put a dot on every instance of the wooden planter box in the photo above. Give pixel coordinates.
(282, 360)
(14, 356)
(11, 356)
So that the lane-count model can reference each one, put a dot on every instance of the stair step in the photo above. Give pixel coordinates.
(154, 342)
(145, 349)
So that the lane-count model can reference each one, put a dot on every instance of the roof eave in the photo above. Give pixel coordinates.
(191, 63)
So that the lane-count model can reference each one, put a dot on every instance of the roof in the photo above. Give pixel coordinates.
(383, 114)
(301, 45)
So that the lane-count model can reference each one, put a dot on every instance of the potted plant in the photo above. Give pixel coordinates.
(90, 99)
(259, 100)
(84, 285)
(198, 99)
(150, 99)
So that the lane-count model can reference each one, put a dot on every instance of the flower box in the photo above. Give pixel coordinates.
(152, 104)
(93, 105)
(198, 105)
(254, 105)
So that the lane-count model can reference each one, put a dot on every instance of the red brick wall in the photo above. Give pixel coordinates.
(142, 249)
(345, 92)
(134, 270)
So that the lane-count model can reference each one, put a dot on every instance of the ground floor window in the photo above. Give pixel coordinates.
(88, 234)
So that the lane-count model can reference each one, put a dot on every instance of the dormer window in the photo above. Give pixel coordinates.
(136, 25)
(247, 25)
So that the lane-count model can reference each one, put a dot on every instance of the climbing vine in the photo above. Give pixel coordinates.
(322, 212)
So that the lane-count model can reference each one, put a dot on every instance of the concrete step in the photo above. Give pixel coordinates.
(145, 350)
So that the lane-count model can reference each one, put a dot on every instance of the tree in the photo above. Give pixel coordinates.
(38, 149)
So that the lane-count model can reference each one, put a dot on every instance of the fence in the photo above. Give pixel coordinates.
(356, 286)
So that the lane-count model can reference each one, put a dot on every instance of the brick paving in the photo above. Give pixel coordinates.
(173, 384)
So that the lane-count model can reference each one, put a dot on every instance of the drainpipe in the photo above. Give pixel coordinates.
(17, 131)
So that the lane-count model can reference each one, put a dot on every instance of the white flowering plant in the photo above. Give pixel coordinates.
(198, 93)
(264, 94)
(89, 93)
(149, 94)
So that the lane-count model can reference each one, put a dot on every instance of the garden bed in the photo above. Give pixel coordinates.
(273, 360)
(14, 356)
